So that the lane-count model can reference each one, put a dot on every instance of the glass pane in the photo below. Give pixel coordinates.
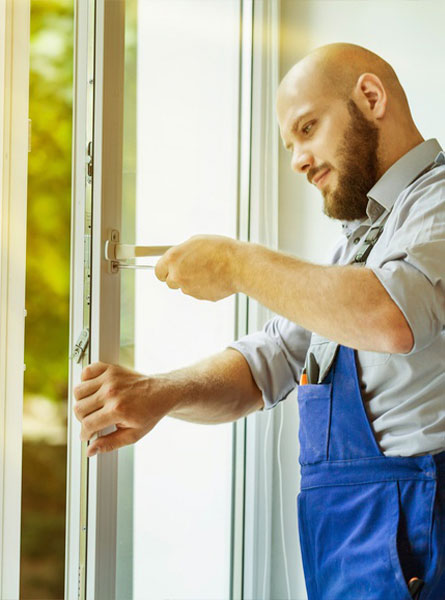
(180, 179)
(47, 302)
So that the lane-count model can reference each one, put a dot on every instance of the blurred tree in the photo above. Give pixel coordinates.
(47, 291)
(49, 199)
(43, 522)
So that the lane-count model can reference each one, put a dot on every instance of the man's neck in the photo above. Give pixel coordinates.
(391, 153)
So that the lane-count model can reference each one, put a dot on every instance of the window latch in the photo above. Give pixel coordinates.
(116, 253)
(81, 345)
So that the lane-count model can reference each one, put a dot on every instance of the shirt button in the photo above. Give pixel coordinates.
(356, 240)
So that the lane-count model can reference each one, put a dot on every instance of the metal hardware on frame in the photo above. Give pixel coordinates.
(115, 253)
(81, 345)
(89, 162)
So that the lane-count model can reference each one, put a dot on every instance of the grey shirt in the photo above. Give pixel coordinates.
(404, 394)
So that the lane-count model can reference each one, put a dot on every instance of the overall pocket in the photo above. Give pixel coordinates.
(314, 404)
(410, 541)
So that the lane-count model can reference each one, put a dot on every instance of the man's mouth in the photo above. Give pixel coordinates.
(319, 179)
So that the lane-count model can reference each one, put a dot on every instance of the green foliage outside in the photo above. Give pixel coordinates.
(42, 562)
(49, 199)
(47, 292)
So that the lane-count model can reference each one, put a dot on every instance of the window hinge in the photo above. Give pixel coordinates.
(81, 345)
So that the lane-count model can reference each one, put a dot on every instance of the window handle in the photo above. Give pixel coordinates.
(115, 253)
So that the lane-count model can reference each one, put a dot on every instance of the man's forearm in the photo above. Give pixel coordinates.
(347, 304)
(344, 303)
(218, 389)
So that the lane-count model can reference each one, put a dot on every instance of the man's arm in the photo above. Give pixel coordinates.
(347, 304)
(218, 389)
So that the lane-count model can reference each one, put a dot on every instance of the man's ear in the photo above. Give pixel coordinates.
(370, 96)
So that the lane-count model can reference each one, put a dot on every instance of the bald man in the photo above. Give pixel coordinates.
(364, 336)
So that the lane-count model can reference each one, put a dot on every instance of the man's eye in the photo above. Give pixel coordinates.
(307, 128)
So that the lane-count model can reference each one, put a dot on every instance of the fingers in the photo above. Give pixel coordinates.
(93, 370)
(87, 388)
(112, 441)
(171, 283)
(163, 274)
(86, 392)
(87, 398)
(84, 407)
(161, 268)
(95, 422)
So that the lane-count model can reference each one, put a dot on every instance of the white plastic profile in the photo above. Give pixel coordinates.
(14, 82)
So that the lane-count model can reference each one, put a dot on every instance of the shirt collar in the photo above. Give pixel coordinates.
(399, 175)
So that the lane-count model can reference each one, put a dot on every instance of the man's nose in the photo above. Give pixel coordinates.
(301, 161)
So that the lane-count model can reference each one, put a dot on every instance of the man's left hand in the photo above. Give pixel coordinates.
(205, 267)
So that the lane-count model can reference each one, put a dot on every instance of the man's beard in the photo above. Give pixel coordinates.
(357, 171)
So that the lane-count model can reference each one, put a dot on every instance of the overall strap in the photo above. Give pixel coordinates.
(376, 231)
(371, 239)
(324, 355)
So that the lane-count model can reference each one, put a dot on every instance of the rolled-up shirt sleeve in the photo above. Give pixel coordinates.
(412, 265)
(275, 356)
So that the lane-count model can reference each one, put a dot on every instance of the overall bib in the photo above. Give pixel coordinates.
(368, 523)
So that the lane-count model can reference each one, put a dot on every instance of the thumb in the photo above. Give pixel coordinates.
(111, 441)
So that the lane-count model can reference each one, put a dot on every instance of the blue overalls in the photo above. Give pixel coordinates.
(368, 523)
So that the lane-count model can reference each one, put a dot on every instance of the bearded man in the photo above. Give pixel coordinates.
(364, 337)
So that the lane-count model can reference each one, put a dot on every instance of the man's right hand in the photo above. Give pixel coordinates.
(113, 395)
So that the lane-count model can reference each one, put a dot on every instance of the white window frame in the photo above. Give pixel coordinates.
(99, 30)
(14, 85)
(103, 119)
(264, 144)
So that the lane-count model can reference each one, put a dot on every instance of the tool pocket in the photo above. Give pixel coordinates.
(314, 403)
(410, 540)
(324, 352)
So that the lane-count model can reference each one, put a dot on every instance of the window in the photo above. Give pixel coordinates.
(171, 101)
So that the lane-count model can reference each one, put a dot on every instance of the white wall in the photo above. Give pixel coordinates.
(410, 36)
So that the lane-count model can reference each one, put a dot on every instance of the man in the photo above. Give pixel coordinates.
(371, 395)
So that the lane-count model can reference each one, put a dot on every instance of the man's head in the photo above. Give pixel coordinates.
(344, 116)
